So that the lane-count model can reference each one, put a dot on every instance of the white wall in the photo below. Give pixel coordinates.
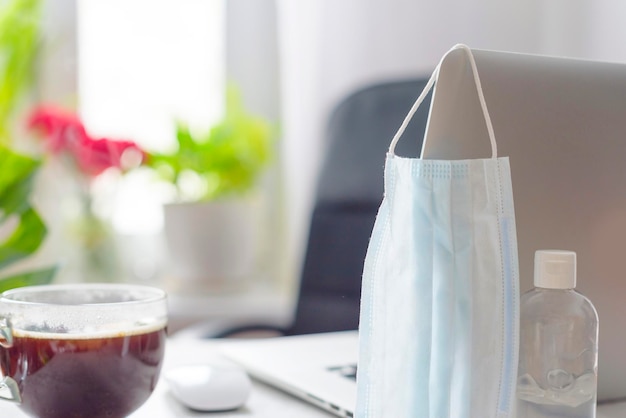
(252, 62)
(252, 54)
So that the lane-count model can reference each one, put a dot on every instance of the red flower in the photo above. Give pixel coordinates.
(65, 133)
(60, 128)
(96, 155)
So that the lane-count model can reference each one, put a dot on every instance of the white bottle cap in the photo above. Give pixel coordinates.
(555, 269)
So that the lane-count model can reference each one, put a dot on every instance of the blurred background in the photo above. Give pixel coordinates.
(167, 75)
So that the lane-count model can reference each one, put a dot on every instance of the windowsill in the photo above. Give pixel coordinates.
(256, 303)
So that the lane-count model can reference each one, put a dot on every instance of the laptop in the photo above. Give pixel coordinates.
(318, 368)
(562, 123)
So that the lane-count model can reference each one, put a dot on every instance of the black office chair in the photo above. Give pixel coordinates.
(349, 192)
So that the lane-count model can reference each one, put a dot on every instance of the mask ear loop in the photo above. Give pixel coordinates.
(429, 86)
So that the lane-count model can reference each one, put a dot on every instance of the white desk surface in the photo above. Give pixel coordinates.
(263, 402)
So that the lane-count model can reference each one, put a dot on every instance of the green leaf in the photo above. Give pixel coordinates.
(16, 181)
(19, 44)
(15, 169)
(37, 277)
(229, 158)
(16, 184)
(25, 239)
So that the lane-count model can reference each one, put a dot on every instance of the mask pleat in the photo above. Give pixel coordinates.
(442, 348)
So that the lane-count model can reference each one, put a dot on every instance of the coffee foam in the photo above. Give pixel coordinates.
(116, 330)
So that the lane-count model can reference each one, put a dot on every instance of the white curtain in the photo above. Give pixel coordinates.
(330, 47)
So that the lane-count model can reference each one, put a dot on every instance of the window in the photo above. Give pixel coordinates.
(141, 66)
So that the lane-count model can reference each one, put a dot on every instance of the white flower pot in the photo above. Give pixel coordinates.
(212, 245)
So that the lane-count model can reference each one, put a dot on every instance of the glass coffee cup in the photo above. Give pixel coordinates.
(81, 350)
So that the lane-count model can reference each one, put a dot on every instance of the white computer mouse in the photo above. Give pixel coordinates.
(204, 387)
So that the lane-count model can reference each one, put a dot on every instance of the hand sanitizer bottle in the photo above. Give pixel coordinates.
(558, 364)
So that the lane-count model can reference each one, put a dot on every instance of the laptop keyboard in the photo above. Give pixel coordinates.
(347, 370)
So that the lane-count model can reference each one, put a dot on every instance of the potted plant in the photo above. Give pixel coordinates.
(20, 40)
(211, 228)
(22, 230)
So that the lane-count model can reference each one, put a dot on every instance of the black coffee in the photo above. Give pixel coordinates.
(91, 377)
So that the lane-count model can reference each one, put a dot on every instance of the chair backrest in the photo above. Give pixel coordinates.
(349, 192)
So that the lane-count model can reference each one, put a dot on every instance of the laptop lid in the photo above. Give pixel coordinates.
(562, 123)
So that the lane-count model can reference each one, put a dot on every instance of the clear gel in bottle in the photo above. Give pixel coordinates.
(558, 364)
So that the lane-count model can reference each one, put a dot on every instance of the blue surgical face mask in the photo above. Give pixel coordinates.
(439, 309)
